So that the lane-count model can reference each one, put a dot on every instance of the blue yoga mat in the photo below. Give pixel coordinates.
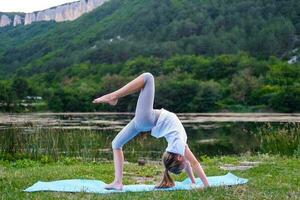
(94, 186)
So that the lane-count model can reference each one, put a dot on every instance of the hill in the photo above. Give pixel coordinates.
(122, 35)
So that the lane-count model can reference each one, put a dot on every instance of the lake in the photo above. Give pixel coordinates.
(89, 135)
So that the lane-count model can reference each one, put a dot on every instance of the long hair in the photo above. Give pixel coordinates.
(172, 164)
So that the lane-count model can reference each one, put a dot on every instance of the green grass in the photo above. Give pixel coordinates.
(284, 140)
(277, 177)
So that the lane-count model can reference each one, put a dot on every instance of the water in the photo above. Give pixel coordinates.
(89, 135)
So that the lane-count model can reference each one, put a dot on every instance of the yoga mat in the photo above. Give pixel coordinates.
(95, 186)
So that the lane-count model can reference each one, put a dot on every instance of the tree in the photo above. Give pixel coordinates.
(287, 99)
(175, 92)
(141, 64)
(21, 88)
(242, 86)
(207, 96)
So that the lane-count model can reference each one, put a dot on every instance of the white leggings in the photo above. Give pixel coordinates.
(145, 116)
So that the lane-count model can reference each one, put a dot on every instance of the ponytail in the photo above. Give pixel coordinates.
(166, 181)
(172, 164)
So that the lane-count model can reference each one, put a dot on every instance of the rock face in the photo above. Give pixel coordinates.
(65, 12)
(4, 21)
(29, 18)
(17, 20)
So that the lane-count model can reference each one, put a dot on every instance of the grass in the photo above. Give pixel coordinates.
(283, 140)
(277, 177)
(34, 142)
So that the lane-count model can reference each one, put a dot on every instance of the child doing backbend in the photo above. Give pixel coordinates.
(161, 123)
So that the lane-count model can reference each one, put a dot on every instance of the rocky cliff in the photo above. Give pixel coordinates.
(65, 12)
(4, 21)
(17, 20)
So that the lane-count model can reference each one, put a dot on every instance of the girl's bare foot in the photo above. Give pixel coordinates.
(109, 98)
(114, 186)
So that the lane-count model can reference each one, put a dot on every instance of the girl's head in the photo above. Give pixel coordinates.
(174, 163)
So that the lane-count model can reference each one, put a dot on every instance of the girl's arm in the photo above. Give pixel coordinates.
(188, 169)
(195, 165)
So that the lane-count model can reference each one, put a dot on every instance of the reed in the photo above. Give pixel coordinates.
(47, 143)
(36, 142)
(283, 139)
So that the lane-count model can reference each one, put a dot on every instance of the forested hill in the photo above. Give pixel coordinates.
(159, 28)
(158, 35)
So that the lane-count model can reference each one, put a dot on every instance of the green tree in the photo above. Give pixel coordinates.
(141, 64)
(6, 97)
(287, 99)
(207, 96)
(175, 92)
(243, 85)
(21, 88)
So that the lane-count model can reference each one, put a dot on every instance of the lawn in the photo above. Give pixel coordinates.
(275, 177)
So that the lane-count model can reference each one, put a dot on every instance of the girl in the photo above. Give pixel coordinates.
(161, 123)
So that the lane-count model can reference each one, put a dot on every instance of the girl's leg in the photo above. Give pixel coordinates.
(131, 87)
(143, 120)
(125, 135)
(145, 116)
(144, 113)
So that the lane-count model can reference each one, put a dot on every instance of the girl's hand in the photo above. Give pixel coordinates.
(193, 186)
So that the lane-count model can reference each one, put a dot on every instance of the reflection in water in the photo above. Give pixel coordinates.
(89, 136)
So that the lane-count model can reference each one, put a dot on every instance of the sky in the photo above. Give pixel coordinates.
(29, 5)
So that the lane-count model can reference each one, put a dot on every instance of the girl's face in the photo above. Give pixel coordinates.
(174, 162)
(178, 169)
(183, 160)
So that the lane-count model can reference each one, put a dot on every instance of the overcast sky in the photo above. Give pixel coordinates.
(29, 5)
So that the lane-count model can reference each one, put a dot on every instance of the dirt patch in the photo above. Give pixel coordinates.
(245, 165)
(208, 141)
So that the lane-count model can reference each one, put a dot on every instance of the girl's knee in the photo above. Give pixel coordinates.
(116, 145)
(148, 76)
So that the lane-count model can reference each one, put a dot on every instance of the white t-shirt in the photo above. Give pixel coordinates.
(169, 126)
